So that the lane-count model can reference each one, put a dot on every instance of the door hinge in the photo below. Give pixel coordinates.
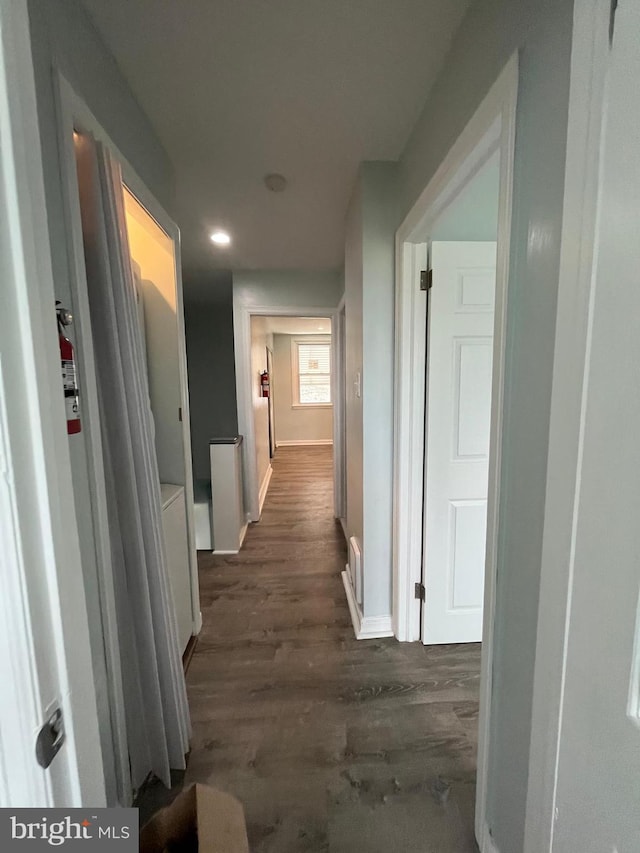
(426, 279)
(180, 413)
(420, 592)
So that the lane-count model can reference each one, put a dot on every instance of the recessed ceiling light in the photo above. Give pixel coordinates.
(220, 238)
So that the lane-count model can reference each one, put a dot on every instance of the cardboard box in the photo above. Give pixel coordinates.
(200, 819)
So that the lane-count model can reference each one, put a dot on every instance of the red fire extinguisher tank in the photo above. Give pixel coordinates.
(69, 379)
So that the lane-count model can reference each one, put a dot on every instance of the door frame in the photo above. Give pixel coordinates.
(73, 113)
(339, 417)
(590, 54)
(270, 403)
(44, 626)
(492, 128)
(242, 314)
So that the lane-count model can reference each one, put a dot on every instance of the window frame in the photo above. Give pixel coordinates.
(295, 370)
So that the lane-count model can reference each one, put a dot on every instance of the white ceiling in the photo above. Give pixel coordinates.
(298, 325)
(237, 89)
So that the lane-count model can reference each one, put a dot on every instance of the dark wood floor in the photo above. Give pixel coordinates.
(331, 744)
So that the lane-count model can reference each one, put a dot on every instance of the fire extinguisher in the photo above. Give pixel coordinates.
(68, 364)
(264, 383)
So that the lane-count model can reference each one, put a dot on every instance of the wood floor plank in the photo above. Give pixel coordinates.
(331, 744)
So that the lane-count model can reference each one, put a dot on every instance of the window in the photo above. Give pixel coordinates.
(311, 363)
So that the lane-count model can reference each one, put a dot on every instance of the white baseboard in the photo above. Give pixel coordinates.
(304, 442)
(365, 627)
(243, 533)
(264, 488)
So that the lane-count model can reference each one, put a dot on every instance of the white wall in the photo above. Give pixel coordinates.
(295, 423)
(260, 339)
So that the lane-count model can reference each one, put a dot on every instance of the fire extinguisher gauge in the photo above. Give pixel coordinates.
(65, 317)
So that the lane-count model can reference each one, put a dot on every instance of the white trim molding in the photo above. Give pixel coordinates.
(365, 627)
(264, 488)
(491, 129)
(304, 442)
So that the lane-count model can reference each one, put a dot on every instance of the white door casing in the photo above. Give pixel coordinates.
(595, 806)
(457, 430)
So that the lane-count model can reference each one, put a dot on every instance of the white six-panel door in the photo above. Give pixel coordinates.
(458, 417)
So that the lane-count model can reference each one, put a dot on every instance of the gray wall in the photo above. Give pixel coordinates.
(63, 36)
(353, 267)
(369, 308)
(490, 33)
(295, 423)
(278, 288)
(211, 365)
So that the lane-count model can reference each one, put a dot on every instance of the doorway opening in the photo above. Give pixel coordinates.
(292, 389)
(452, 255)
(131, 460)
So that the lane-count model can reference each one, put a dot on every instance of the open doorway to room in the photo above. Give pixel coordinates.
(460, 322)
(449, 392)
(290, 393)
(291, 390)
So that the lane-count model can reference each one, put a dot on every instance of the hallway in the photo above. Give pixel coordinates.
(331, 744)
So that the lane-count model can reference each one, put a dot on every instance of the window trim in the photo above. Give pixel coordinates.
(295, 374)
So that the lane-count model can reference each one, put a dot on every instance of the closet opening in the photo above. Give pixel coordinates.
(154, 275)
(131, 459)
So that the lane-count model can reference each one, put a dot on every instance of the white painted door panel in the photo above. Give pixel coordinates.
(458, 418)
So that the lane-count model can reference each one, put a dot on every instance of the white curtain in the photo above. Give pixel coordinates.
(157, 715)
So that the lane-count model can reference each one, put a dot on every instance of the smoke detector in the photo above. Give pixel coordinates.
(275, 182)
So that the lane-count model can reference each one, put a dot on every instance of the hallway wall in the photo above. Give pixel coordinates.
(295, 424)
(369, 304)
(208, 309)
